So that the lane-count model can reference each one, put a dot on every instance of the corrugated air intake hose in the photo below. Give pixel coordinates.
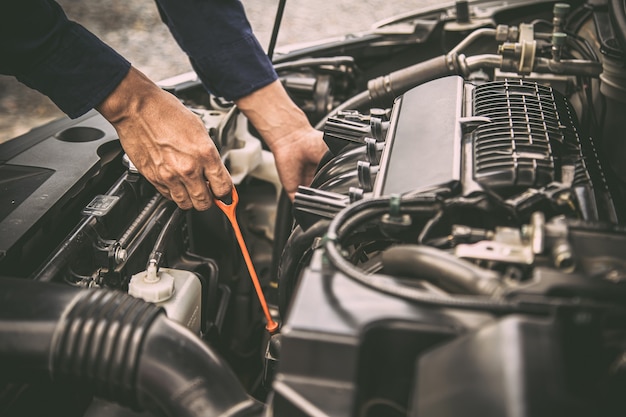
(123, 348)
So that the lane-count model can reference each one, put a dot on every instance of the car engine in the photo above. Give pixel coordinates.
(460, 252)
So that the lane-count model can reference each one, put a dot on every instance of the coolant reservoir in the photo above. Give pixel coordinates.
(178, 292)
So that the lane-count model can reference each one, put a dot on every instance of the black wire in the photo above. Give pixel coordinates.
(578, 40)
(575, 21)
(430, 225)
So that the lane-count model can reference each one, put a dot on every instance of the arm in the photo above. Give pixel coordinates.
(230, 62)
(60, 58)
(296, 145)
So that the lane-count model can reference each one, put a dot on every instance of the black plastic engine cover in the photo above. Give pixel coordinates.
(46, 177)
(501, 137)
(423, 149)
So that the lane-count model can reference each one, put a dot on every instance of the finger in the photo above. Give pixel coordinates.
(219, 180)
(198, 192)
(180, 196)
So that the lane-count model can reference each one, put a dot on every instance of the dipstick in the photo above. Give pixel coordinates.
(230, 212)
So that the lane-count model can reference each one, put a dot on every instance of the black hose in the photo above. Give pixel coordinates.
(442, 269)
(175, 364)
(123, 348)
(98, 342)
(383, 90)
(29, 314)
(282, 230)
(617, 13)
(294, 253)
(389, 285)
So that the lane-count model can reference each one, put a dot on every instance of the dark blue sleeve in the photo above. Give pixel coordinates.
(60, 58)
(221, 46)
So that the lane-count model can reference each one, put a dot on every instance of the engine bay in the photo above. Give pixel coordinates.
(460, 252)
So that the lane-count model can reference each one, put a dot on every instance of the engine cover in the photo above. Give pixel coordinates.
(502, 137)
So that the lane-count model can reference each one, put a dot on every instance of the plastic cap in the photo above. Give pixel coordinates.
(561, 9)
(154, 291)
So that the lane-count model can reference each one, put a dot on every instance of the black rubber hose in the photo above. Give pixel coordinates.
(390, 285)
(123, 348)
(442, 269)
(282, 231)
(295, 250)
(98, 342)
(29, 314)
(617, 12)
(174, 364)
(383, 90)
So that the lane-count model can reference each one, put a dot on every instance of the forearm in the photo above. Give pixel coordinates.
(217, 37)
(130, 97)
(296, 145)
(274, 114)
(58, 57)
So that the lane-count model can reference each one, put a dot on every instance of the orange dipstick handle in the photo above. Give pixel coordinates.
(230, 212)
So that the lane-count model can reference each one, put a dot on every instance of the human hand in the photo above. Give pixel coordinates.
(296, 145)
(297, 158)
(167, 143)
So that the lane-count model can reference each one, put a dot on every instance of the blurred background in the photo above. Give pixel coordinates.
(134, 29)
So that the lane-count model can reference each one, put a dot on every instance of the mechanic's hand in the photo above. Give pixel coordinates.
(167, 143)
(296, 145)
(297, 157)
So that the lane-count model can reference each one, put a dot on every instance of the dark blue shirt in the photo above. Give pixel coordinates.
(66, 62)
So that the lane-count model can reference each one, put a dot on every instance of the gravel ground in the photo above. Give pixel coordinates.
(134, 29)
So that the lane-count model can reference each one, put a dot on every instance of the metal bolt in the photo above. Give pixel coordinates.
(120, 255)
